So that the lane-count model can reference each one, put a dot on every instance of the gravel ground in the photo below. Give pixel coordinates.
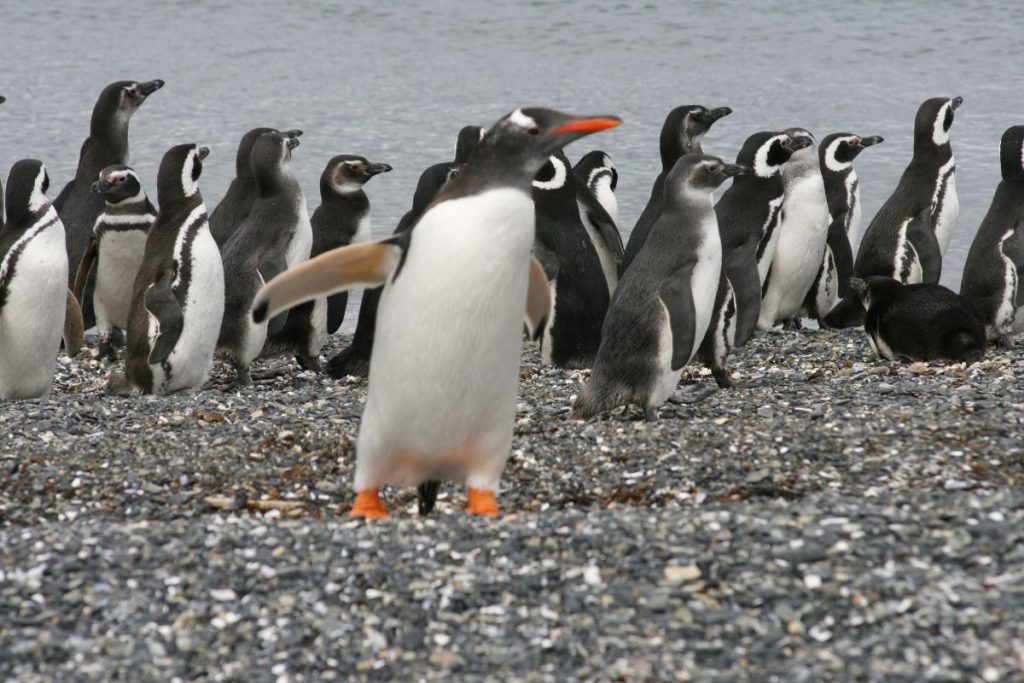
(834, 517)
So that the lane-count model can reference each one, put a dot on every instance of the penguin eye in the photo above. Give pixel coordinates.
(533, 131)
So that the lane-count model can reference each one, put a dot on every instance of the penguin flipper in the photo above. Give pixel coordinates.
(163, 305)
(921, 234)
(677, 297)
(600, 219)
(1013, 249)
(538, 299)
(842, 253)
(84, 267)
(366, 264)
(74, 325)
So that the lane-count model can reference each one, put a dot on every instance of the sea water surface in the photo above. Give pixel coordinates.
(395, 82)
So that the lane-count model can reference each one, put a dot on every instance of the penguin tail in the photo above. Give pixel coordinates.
(427, 494)
(848, 312)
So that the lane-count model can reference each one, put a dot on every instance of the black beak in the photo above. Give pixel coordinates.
(957, 101)
(373, 169)
(873, 140)
(101, 186)
(732, 170)
(150, 87)
(2, 99)
(204, 152)
(721, 112)
(799, 143)
(295, 133)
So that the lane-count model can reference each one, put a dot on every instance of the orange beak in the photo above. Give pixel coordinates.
(591, 125)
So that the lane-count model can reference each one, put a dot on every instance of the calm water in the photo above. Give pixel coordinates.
(396, 83)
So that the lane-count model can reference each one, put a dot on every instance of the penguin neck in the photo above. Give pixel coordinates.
(926, 151)
(107, 145)
(488, 170)
(674, 148)
(272, 182)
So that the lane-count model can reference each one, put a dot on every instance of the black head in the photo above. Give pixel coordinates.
(683, 129)
(700, 173)
(874, 289)
(27, 184)
(766, 152)
(347, 173)
(838, 150)
(1011, 153)
(431, 182)
(243, 160)
(595, 165)
(513, 150)
(469, 137)
(119, 184)
(933, 122)
(178, 177)
(121, 99)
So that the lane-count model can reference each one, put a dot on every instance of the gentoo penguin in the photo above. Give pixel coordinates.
(992, 282)
(842, 191)
(579, 289)
(107, 145)
(596, 172)
(442, 391)
(662, 309)
(178, 294)
(681, 134)
(595, 178)
(354, 359)
(35, 304)
(920, 321)
(261, 248)
(909, 234)
(116, 250)
(802, 232)
(238, 200)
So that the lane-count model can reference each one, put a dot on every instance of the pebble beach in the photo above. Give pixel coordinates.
(832, 517)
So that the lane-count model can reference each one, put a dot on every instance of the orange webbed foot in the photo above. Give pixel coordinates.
(481, 502)
(368, 505)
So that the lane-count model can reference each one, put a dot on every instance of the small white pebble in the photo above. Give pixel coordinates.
(223, 594)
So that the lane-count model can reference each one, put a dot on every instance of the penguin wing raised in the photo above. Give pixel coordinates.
(677, 296)
(367, 264)
(922, 235)
(163, 305)
(538, 299)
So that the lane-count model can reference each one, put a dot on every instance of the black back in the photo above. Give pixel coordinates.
(238, 200)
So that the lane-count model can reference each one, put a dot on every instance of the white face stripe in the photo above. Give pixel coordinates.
(761, 167)
(37, 199)
(188, 185)
(940, 136)
(557, 181)
(522, 120)
(831, 162)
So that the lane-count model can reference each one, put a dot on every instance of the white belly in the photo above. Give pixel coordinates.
(704, 280)
(120, 253)
(606, 198)
(302, 241)
(444, 370)
(364, 231)
(32, 320)
(945, 221)
(828, 287)
(666, 379)
(1007, 312)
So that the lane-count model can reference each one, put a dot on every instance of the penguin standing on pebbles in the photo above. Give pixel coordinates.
(662, 309)
(909, 234)
(993, 279)
(919, 322)
(35, 304)
(842, 191)
(178, 294)
(681, 134)
(107, 145)
(116, 250)
(450, 317)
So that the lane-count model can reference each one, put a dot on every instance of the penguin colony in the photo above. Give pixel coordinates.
(530, 245)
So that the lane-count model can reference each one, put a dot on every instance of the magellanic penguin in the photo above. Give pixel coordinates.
(662, 309)
(261, 248)
(909, 234)
(918, 322)
(354, 359)
(36, 306)
(178, 294)
(107, 145)
(579, 290)
(237, 202)
(681, 134)
(595, 178)
(441, 397)
(842, 191)
(993, 279)
(115, 251)
(802, 233)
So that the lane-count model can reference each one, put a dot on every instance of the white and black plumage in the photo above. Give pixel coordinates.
(237, 202)
(178, 294)
(443, 376)
(263, 246)
(842, 191)
(107, 145)
(35, 305)
(909, 234)
(681, 134)
(993, 279)
(116, 250)
(595, 179)
(579, 288)
(596, 172)
(354, 359)
(923, 321)
(662, 309)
